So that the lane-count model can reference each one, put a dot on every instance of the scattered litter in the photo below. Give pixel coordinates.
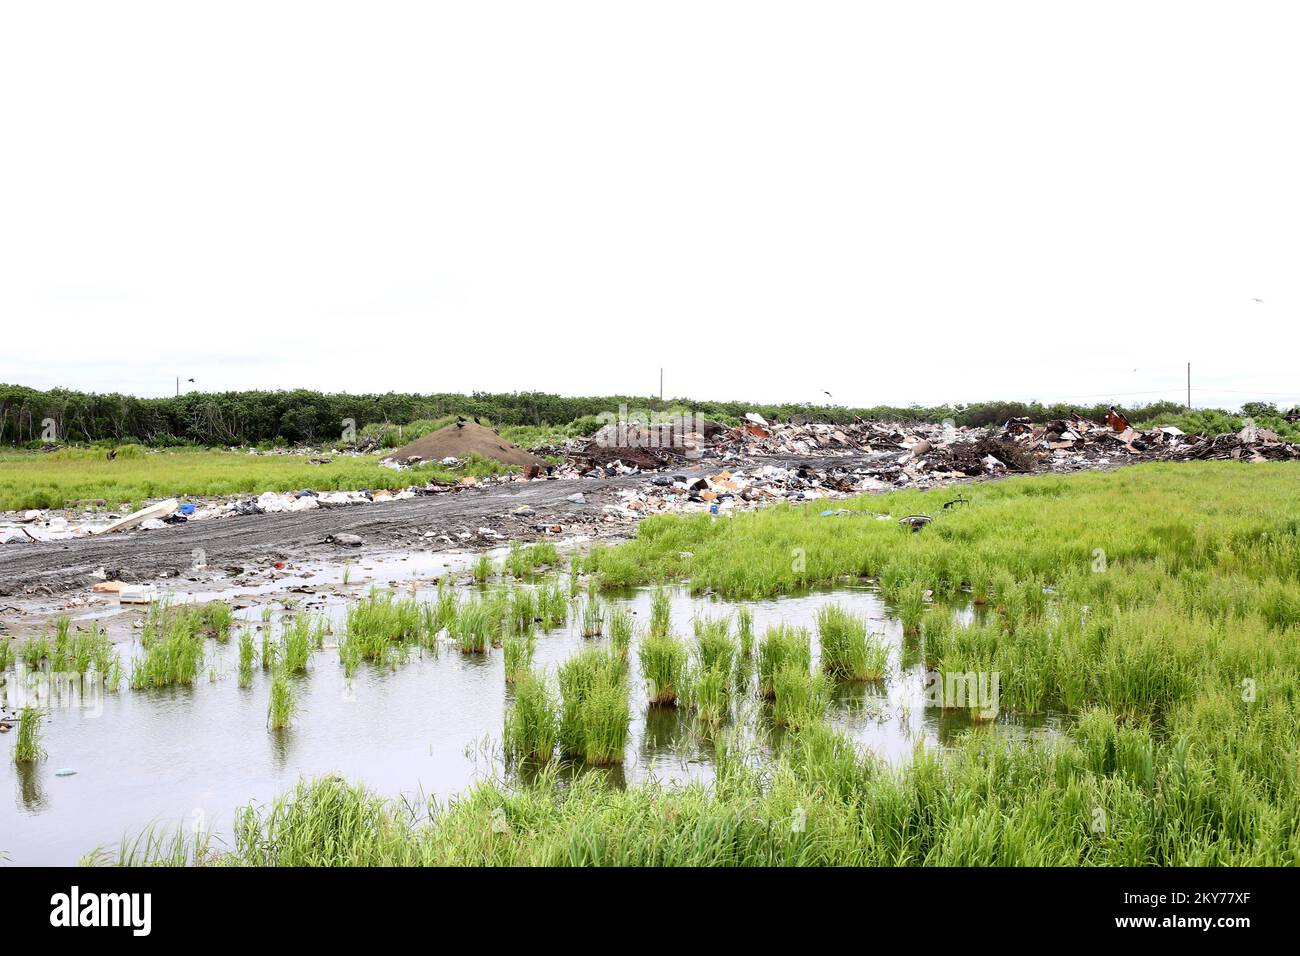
(137, 594)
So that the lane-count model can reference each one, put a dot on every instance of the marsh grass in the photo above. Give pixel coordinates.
(664, 660)
(592, 622)
(619, 627)
(28, 748)
(552, 605)
(7, 653)
(296, 644)
(36, 651)
(247, 656)
(473, 630)
(518, 650)
(799, 697)
(483, 569)
(709, 693)
(848, 650)
(661, 611)
(782, 646)
(173, 653)
(532, 728)
(283, 706)
(594, 711)
(745, 630)
(523, 562)
(381, 628)
(713, 645)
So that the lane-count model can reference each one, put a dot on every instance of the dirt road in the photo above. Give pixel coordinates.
(259, 540)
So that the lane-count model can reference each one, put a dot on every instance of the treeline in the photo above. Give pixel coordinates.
(29, 416)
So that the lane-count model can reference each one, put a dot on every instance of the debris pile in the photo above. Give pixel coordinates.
(459, 440)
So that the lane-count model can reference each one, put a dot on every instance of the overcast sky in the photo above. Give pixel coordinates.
(892, 202)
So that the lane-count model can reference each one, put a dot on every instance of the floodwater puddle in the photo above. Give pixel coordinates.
(431, 726)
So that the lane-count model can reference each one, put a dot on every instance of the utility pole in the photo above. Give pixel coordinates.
(1189, 386)
(661, 383)
(178, 386)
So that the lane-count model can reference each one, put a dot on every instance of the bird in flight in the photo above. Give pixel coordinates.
(827, 394)
(1257, 300)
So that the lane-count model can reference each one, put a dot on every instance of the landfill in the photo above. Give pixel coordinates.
(716, 468)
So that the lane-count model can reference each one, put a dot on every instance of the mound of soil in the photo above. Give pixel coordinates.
(460, 440)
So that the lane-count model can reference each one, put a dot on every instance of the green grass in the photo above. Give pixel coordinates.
(661, 611)
(48, 480)
(1168, 648)
(524, 561)
(714, 647)
(619, 628)
(664, 661)
(283, 706)
(27, 748)
(484, 569)
(474, 628)
(172, 639)
(247, 655)
(782, 646)
(594, 713)
(552, 605)
(532, 727)
(381, 627)
(848, 651)
(518, 648)
(799, 697)
(709, 693)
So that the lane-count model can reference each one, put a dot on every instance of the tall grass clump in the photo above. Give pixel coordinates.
(483, 569)
(782, 646)
(532, 727)
(295, 644)
(664, 661)
(799, 697)
(618, 625)
(27, 748)
(745, 631)
(848, 651)
(518, 650)
(593, 617)
(173, 655)
(473, 628)
(247, 656)
(594, 712)
(552, 605)
(661, 611)
(713, 645)
(283, 706)
(380, 625)
(709, 694)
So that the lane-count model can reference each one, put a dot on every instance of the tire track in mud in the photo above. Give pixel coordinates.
(236, 541)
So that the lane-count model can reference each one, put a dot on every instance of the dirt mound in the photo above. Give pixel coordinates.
(461, 439)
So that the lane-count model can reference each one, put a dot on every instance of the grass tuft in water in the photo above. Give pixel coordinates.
(283, 706)
(663, 665)
(848, 651)
(781, 646)
(533, 726)
(28, 749)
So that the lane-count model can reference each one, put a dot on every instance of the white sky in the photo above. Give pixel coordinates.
(895, 202)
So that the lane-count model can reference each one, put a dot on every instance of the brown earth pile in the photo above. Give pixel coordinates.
(460, 440)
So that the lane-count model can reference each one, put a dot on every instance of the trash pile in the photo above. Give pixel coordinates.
(1082, 443)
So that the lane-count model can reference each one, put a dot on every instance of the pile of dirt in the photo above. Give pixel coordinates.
(460, 440)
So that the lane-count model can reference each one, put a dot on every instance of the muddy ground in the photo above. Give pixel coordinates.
(238, 544)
